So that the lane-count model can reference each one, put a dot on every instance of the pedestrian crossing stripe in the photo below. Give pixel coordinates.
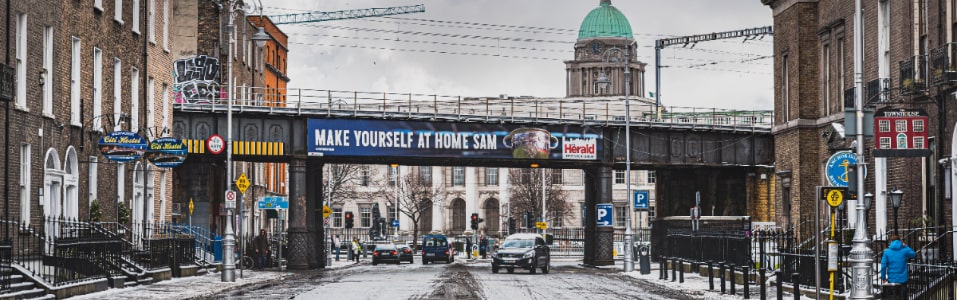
(241, 148)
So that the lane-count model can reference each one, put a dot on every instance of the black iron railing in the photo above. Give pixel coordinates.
(943, 64)
(913, 75)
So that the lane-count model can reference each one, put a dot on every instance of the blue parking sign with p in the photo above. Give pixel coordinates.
(641, 199)
(604, 211)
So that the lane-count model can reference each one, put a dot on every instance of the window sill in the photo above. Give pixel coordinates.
(119, 21)
(21, 107)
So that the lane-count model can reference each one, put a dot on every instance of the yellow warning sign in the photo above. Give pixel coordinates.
(326, 211)
(242, 183)
(191, 206)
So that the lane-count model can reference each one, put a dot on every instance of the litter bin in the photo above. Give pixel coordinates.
(644, 259)
(218, 248)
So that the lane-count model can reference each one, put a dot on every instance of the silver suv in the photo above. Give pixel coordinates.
(522, 250)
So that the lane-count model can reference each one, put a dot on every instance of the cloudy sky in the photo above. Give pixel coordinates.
(517, 47)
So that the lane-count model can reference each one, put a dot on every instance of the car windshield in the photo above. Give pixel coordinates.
(433, 242)
(518, 244)
(385, 247)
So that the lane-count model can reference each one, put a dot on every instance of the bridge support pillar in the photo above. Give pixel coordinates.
(299, 250)
(599, 241)
(314, 176)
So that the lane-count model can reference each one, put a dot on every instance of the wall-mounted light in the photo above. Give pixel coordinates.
(534, 165)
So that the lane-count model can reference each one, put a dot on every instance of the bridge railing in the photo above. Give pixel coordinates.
(592, 110)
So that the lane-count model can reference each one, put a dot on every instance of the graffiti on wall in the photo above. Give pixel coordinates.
(195, 80)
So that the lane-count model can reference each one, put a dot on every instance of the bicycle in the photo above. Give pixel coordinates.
(246, 261)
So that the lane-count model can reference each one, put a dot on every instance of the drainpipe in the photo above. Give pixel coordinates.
(6, 144)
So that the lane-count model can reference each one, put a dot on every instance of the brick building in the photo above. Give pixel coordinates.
(814, 82)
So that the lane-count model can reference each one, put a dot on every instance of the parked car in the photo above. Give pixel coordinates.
(436, 247)
(405, 253)
(385, 253)
(522, 250)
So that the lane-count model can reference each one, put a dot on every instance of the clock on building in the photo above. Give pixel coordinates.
(596, 47)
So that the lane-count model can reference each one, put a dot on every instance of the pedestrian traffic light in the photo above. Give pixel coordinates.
(511, 225)
(349, 219)
(475, 221)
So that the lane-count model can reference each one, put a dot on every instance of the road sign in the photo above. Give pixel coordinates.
(190, 206)
(837, 168)
(325, 221)
(326, 211)
(641, 199)
(395, 223)
(834, 195)
(242, 183)
(541, 225)
(215, 144)
(604, 214)
(272, 202)
(230, 199)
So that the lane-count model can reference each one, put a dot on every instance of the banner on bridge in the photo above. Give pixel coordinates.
(334, 137)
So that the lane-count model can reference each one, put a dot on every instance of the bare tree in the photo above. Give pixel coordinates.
(340, 181)
(416, 195)
(526, 194)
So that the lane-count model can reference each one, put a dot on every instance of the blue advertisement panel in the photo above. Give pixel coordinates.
(122, 146)
(166, 152)
(335, 137)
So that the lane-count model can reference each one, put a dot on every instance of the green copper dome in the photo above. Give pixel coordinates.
(605, 21)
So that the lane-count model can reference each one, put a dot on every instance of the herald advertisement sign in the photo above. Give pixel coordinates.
(333, 137)
(901, 133)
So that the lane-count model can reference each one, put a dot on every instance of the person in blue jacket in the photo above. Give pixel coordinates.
(894, 263)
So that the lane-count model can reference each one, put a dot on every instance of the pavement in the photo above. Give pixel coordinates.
(210, 284)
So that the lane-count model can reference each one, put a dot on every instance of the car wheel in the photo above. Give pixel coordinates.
(545, 269)
(375, 263)
(510, 270)
(532, 269)
(495, 269)
(425, 261)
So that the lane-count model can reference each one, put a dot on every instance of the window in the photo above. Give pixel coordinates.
(97, 88)
(885, 143)
(21, 44)
(425, 175)
(884, 126)
(136, 16)
(75, 83)
(365, 216)
(900, 125)
(557, 176)
(118, 7)
(117, 91)
(651, 177)
(393, 175)
(46, 74)
(337, 217)
(840, 67)
(166, 104)
(25, 182)
(620, 216)
(150, 103)
(826, 78)
(785, 90)
(556, 220)
(491, 176)
(458, 176)
(134, 98)
(151, 20)
(918, 126)
(919, 142)
(92, 178)
(166, 13)
(120, 184)
(364, 176)
(619, 177)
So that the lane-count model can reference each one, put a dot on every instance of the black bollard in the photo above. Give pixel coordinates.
(674, 269)
(710, 276)
(764, 287)
(747, 282)
(795, 278)
(721, 270)
(733, 279)
(662, 266)
(681, 272)
(778, 284)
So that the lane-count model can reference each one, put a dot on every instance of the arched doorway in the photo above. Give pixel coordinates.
(71, 184)
(142, 206)
(458, 216)
(490, 213)
(51, 195)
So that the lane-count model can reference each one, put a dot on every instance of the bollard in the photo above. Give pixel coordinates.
(664, 269)
(710, 276)
(674, 269)
(721, 270)
(681, 272)
(795, 278)
(764, 287)
(747, 282)
(661, 269)
(778, 283)
(733, 279)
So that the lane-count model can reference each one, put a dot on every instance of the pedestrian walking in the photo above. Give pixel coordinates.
(335, 243)
(261, 244)
(355, 249)
(894, 264)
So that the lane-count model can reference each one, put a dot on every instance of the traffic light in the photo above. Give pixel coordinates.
(529, 219)
(475, 221)
(349, 219)
(511, 225)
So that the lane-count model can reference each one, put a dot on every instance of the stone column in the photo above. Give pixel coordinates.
(598, 240)
(298, 229)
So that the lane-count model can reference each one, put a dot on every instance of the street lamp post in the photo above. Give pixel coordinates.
(862, 257)
(896, 196)
(605, 83)
(395, 179)
(229, 241)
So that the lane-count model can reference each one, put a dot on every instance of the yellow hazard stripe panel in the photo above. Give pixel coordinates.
(258, 148)
(195, 146)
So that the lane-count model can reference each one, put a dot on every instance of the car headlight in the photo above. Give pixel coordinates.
(494, 255)
(529, 254)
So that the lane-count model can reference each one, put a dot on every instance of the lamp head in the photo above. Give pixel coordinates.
(261, 37)
(868, 199)
(896, 196)
(603, 82)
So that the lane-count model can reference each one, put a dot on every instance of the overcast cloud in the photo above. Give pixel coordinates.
(415, 53)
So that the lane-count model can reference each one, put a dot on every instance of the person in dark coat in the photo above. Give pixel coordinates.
(894, 263)
(261, 244)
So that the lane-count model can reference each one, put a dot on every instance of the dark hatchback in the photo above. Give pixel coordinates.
(522, 250)
(405, 253)
(385, 253)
